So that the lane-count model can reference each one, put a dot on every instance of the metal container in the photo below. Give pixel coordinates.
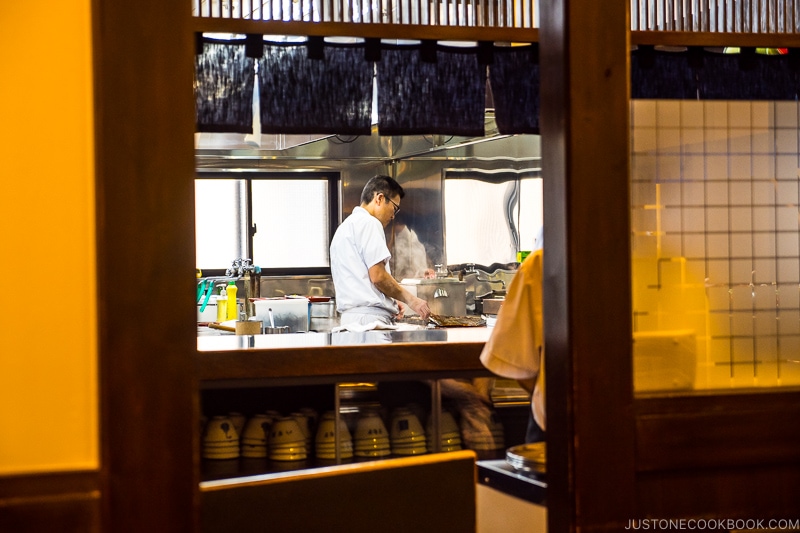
(323, 309)
(491, 306)
(292, 312)
(445, 296)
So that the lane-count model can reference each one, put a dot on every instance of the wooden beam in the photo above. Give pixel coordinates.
(716, 39)
(367, 30)
(144, 118)
(67, 502)
(705, 430)
(587, 291)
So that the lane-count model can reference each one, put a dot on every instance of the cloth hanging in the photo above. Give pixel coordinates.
(223, 88)
(514, 80)
(443, 97)
(299, 95)
(766, 77)
(713, 76)
(662, 75)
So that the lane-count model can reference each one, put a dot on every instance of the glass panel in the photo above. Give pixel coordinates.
(531, 216)
(291, 217)
(715, 233)
(509, 210)
(219, 222)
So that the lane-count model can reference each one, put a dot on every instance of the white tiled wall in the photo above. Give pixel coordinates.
(716, 233)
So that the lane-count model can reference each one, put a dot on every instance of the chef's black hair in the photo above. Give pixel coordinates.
(381, 184)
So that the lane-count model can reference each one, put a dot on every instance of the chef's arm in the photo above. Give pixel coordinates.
(389, 286)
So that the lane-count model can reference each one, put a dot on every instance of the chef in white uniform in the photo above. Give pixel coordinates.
(366, 292)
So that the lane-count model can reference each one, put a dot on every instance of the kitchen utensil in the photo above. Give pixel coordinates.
(248, 327)
(491, 306)
(286, 431)
(207, 287)
(277, 312)
(528, 457)
(407, 434)
(445, 296)
(215, 325)
(370, 428)
(457, 321)
(220, 429)
(201, 288)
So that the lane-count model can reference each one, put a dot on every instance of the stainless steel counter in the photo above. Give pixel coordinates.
(306, 358)
(217, 343)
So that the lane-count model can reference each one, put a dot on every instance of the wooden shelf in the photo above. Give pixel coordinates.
(366, 30)
(481, 33)
(716, 39)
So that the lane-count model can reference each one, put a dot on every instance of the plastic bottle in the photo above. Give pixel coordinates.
(233, 306)
(222, 308)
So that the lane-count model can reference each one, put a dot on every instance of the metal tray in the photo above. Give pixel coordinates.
(528, 457)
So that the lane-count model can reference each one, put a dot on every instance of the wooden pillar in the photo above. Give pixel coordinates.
(587, 294)
(144, 117)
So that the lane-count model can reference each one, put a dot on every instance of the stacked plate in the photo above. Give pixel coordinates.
(530, 457)
(451, 436)
(255, 436)
(286, 440)
(371, 436)
(220, 439)
(325, 440)
(407, 434)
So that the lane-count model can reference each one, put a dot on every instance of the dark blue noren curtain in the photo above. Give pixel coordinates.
(444, 97)
(330, 95)
(223, 88)
(514, 79)
(662, 75)
(759, 77)
(712, 75)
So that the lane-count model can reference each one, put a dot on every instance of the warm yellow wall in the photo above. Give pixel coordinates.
(48, 359)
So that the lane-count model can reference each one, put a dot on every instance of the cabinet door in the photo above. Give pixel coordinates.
(427, 493)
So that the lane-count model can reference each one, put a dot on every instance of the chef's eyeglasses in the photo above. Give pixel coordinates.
(396, 207)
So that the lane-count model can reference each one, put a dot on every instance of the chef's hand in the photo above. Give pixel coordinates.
(402, 310)
(421, 307)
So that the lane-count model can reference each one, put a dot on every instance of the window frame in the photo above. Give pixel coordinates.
(334, 192)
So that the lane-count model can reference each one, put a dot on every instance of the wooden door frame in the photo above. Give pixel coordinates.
(612, 457)
(144, 130)
(584, 53)
(145, 214)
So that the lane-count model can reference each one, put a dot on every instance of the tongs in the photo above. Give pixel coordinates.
(206, 286)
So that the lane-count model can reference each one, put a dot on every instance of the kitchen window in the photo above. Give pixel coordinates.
(506, 205)
(282, 222)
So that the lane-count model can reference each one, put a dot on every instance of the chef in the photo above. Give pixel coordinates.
(366, 292)
(515, 348)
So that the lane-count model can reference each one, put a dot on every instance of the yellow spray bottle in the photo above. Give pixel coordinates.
(233, 306)
(222, 307)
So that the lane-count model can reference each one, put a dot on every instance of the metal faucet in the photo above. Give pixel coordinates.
(500, 281)
(243, 268)
(239, 267)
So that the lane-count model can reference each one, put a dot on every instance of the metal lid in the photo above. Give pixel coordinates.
(528, 457)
